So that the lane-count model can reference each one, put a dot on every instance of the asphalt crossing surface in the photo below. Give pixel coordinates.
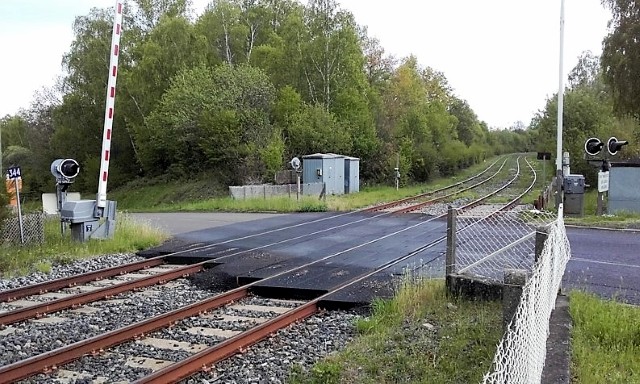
(604, 262)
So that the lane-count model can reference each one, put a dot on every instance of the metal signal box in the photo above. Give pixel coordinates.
(574, 195)
(574, 184)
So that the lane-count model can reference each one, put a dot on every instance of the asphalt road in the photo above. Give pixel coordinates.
(180, 224)
(605, 262)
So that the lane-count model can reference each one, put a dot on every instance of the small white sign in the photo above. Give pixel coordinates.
(603, 181)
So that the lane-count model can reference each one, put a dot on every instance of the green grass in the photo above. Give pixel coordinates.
(605, 341)
(227, 204)
(619, 220)
(130, 236)
(421, 336)
(159, 195)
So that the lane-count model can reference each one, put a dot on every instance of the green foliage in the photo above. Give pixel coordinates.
(4, 211)
(605, 340)
(314, 129)
(621, 56)
(588, 112)
(417, 337)
(242, 89)
(57, 249)
(212, 118)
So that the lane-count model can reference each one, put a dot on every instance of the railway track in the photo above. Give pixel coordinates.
(414, 203)
(207, 355)
(48, 302)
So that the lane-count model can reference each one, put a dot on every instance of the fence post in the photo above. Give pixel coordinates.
(450, 261)
(514, 280)
(542, 233)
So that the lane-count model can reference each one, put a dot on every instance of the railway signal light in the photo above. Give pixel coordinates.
(613, 145)
(593, 146)
(65, 170)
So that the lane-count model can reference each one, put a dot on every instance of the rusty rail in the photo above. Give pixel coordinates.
(430, 193)
(68, 282)
(51, 360)
(229, 347)
(98, 294)
(417, 206)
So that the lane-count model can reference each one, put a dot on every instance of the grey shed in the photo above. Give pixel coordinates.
(324, 168)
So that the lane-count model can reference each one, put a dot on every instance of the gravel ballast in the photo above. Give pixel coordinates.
(66, 270)
(270, 361)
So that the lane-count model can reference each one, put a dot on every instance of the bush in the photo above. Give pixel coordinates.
(5, 213)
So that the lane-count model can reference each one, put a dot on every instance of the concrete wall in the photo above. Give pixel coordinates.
(267, 190)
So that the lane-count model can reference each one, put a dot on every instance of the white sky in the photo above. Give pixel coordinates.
(500, 55)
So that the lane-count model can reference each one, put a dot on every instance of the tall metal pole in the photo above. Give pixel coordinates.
(101, 198)
(559, 196)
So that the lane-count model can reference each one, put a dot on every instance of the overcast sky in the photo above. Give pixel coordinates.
(502, 56)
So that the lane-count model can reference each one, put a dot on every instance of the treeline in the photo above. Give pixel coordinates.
(238, 91)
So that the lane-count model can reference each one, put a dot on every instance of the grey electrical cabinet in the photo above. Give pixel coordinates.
(573, 186)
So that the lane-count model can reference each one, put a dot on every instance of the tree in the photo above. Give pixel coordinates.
(586, 73)
(378, 65)
(467, 125)
(330, 50)
(584, 116)
(19, 148)
(148, 13)
(213, 119)
(621, 56)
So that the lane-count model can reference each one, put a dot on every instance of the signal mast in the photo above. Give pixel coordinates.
(94, 218)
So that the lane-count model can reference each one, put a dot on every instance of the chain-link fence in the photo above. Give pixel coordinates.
(520, 356)
(486, 246)
(32, 229)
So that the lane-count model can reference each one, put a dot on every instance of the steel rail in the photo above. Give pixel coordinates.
(511, 203)
(507, 206)
(48, 361)
(204, 360)
(43, 308)
(68, 282)
(520, 196)
(417, 206)
(426, 194)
